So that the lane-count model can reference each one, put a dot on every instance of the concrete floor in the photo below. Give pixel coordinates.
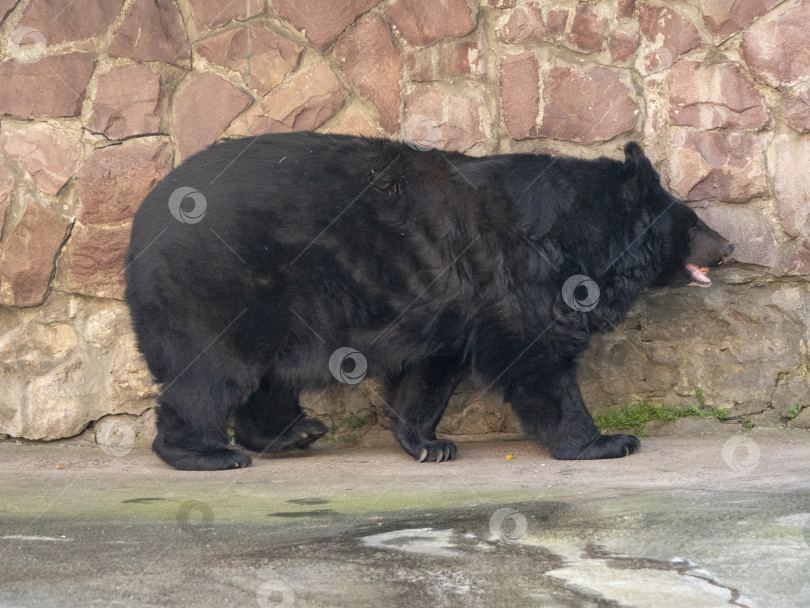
(722, 520)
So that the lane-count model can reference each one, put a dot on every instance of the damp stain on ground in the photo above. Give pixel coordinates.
(312, 513)
(308, 501)
(140, 500)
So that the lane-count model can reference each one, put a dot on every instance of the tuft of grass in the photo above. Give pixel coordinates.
(634, 415)
(701, 398)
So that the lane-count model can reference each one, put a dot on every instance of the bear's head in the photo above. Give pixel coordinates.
(688, 247)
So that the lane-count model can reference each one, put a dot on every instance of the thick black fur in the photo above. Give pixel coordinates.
(431, 264)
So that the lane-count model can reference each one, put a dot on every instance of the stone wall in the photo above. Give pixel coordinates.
(99, 100)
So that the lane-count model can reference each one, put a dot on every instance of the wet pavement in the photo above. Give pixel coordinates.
(710, 521)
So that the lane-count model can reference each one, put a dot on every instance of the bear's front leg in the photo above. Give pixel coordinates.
(550, 408)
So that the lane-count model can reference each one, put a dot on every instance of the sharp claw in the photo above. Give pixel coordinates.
(424, 455)
(440, 457)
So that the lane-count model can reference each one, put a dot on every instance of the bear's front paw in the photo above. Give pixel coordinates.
(432, 450)
(604, 446)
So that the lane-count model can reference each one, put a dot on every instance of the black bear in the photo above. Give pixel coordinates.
(262, 267)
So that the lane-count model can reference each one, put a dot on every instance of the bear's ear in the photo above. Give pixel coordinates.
(633, 152)
(634, 155)
(641, 177)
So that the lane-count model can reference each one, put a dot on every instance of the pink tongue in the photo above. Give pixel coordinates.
(697, 274)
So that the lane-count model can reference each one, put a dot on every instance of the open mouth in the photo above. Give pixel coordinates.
(698, 274)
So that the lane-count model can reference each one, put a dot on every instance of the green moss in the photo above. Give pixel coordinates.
(349, 429)
(634, 415)
(353, 422)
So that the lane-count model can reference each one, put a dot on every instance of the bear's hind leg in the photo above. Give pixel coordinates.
(192, 421)
(271, 420)
(419, 398)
